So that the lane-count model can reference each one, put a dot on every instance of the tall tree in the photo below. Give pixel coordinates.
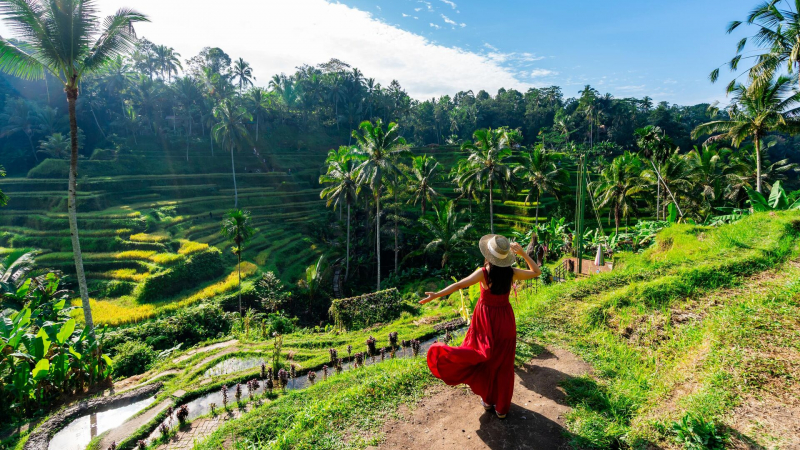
(342, 180)
(380, 149)
(66, 40)
(236, 228)
(489, 163)
(445, 231)
(258, 102)
(541, 173)
(655, 146)
(242, 73)
(230, 132)
(756, 109)
(19, 116)
(617, 186)
(423, 175)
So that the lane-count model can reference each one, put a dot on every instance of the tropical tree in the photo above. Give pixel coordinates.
(756, 109)
(423, 174)
(236, 228)
(617, 186)
(243, 74)
(445, 231)
(778, 200)
(259, 102)
(56, 146)
(167, 60)
(655, 146)
(541, 173)
(712, 172)
(230, 131)
(67, 41)
(380, 149)
(342, 180)
(19, 116)
(13, 268)
(488, 163)
(3, 197)
(777, 40)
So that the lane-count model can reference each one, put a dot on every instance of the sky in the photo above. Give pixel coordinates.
(628, 48)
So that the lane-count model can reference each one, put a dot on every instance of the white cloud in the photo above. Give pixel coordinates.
(435, 26)
(378, 7)
(462, 25)
(406, 15)
(452, 5)
(670, 81)
(417, 9)
(327, 30)
(427, 5)
(536, 73)
(631, 88)
(490, 46)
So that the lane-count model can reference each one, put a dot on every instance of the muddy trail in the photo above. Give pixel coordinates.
(452, 417)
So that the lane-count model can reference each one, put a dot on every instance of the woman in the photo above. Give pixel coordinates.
(485, 361)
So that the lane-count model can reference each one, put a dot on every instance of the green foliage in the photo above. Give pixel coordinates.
(199, 268)
(358, 312)
(696, 433)
(271, 292)
(133, 358)
(3, 197)
(778, 199)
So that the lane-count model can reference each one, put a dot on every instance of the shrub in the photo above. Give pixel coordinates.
(695, 433)
(133, 357)
(364, 310)
(199, 268)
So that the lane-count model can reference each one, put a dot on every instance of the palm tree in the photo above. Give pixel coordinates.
(655, 146)
(444, 230)
(187, 94)
(259, 102)
(711, 172)
(68, 41)
(55, 146)
(230, 131)
(342, 181)
(674, 173)
(236, 228)
(423, 174)
(379, 149)
(167, 60)
(755, 110)
(243, 73)
(489, 163)
(617, 185)
(777, 37)
(541, 173)
(19, 117)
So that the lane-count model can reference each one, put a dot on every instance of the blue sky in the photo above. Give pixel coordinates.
(664, 49)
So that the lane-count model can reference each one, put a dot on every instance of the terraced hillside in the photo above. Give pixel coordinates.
(135, 227)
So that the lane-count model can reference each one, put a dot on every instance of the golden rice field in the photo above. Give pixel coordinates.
(144, 237)
(126, 310)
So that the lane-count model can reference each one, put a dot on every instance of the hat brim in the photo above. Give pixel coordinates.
(508, 261)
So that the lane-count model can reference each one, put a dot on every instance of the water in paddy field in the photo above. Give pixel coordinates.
(78, 434)
(232, 365)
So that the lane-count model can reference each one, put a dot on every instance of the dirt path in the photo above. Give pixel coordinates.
(452, 418)
(204, 349)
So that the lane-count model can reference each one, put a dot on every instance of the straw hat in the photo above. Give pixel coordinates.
(497, 250)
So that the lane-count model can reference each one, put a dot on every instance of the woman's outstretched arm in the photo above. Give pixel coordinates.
(476, 277)
(521, 274)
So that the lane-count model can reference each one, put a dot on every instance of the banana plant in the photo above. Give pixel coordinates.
(778, 200)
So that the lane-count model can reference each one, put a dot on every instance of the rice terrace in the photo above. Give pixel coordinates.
(435, 224)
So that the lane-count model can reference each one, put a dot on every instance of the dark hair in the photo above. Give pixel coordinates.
(499, 278)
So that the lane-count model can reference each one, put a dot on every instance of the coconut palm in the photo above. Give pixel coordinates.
(236, 228)
(230, 131)
(777, 40)
(711, 172)
(756, 109)
(167, 60)
(618, 184)
(55, 146)
(342, 181)
(541, 173)
(423, 174)
(488, 163)
(67, 41)
(243, 73)
(444, 230)
(674, 173)
(655, 146)
(258, 101)
(380, 148)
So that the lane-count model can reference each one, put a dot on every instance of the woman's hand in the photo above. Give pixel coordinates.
(430, 296)
(517, 249)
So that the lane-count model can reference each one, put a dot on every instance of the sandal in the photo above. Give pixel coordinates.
(501, 416)
(485, 406)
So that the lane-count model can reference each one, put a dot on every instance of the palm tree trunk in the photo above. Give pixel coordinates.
(212, 144)
(538, 198)
(187, 138)
(491, 207)
(758, 162)
(239, 269)
(33, 149)
(96, 121)
(378, 231)
(658, 198)
(347, 263)
(235, 191)
(616, 218)
(257, 120)
(72, 97)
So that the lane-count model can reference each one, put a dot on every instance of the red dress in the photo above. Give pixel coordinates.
(485, 361)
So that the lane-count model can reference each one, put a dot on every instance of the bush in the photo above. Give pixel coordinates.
(133, 358)
(695, 433)
(278, 323)
(199, 268)
(368, 309)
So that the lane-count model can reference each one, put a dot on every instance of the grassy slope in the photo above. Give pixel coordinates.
(658, 331)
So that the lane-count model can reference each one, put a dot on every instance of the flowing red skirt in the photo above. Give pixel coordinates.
(485, 361)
